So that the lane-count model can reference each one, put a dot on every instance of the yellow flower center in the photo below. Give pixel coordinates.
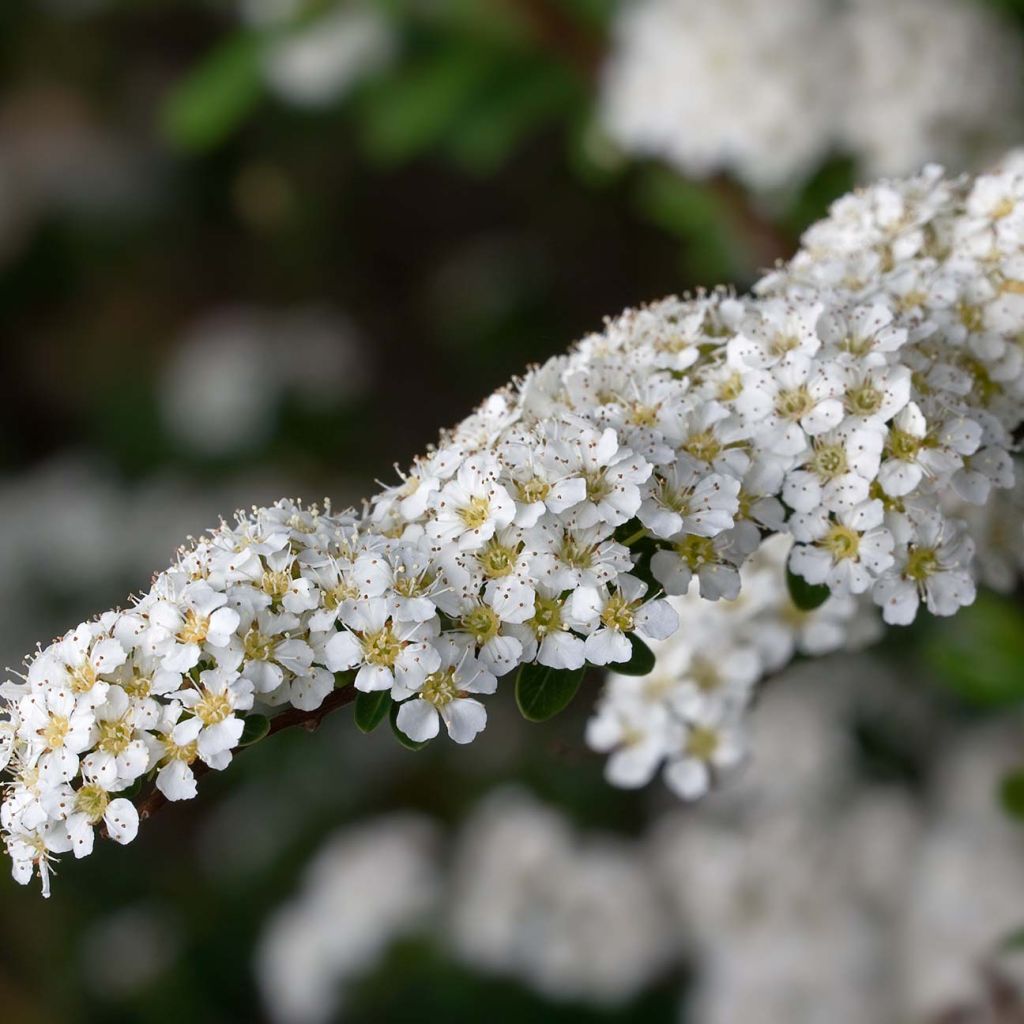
(618, 614)
(496, 559)
(92, 801)
(258, 646)
(475, 514)
(705, 675)
(194, 628)
(382, 648)
(482, 624)
(794, 404)
(187, 752)
(534, 490)
(701, 743)
(842, 542)
(115, 735)
(212, 707)
(83, 678)
(731, 388)
(696, 551)
(138, 686)
(704, 446)
(276, 584)
(54, 732)
(439, 688)
(904, 446)
(829, 461)
(921, 563)
(547, 616)
(597, 485)
(865, 400)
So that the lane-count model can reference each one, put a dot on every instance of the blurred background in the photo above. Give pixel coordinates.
(255, 248)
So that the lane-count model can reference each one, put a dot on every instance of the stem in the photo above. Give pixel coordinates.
(147, 806)
(633, 538)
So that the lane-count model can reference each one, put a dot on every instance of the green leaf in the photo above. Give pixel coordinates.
(213, 100)
(979, 653)
(641, 661)
(806, 596)
(371, 709)
(256, 728)
(1011, 795)
(409, 744)
(542, 692)
(1013, 942)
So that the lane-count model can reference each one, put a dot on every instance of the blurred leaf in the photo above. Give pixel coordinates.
(690, 210)
(806, 596)
(1013, 942)
(214, 98)
(255, 728)
(1011, 795)
(979, 653)
(412, 109)
(405, 741)
(641, 662)
(371, 709)
(542, 692)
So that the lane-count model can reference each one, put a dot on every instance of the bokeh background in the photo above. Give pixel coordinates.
(254, 248)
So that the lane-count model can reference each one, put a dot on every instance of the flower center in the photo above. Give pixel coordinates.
(115, 735)
(547, 615)
(496, 559)
(575, 554)
(138, 686)
(597, 485)
(382, 648)
(794, 404)
(482, 624)
(175, 752)
(276, 584)
(475, 514)
(439, 688)
(904, 446)
(701, 743)
(534, 490)
(212, 707)
(194, 628)
(921, 563)
(696, 551)
(618, 614)
(258, 646)
(92, 801)
(55, 731)
(703, 446)
(83, 678)
(643, 415)
(865, 400)
(705, 675)
(829, 461)
(731, 388)
(334, 597)
(842, 542)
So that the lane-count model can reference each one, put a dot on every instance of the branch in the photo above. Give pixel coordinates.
(309, 720)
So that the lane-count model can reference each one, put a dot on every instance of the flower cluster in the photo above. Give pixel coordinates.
(865, 384)
(765, 91)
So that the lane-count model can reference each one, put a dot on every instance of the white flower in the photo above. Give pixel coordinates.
(471, 507)
(933, 568)
(187, 623)
(846, 552)
(92, 806)
(57, 726)
(712, 743)
(445, 695)
(683, 498)
(214, 727)
(120, 755)
(386, 653)
(608, 615)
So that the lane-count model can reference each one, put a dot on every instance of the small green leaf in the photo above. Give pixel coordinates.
(371, 709)
(1013, 942)
(212, 100)
(641, 661)
(979, 653)
(409, 744)
(542, 692)
(806, 596)
(255, 728)
(1011, 795)
(343, 679)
